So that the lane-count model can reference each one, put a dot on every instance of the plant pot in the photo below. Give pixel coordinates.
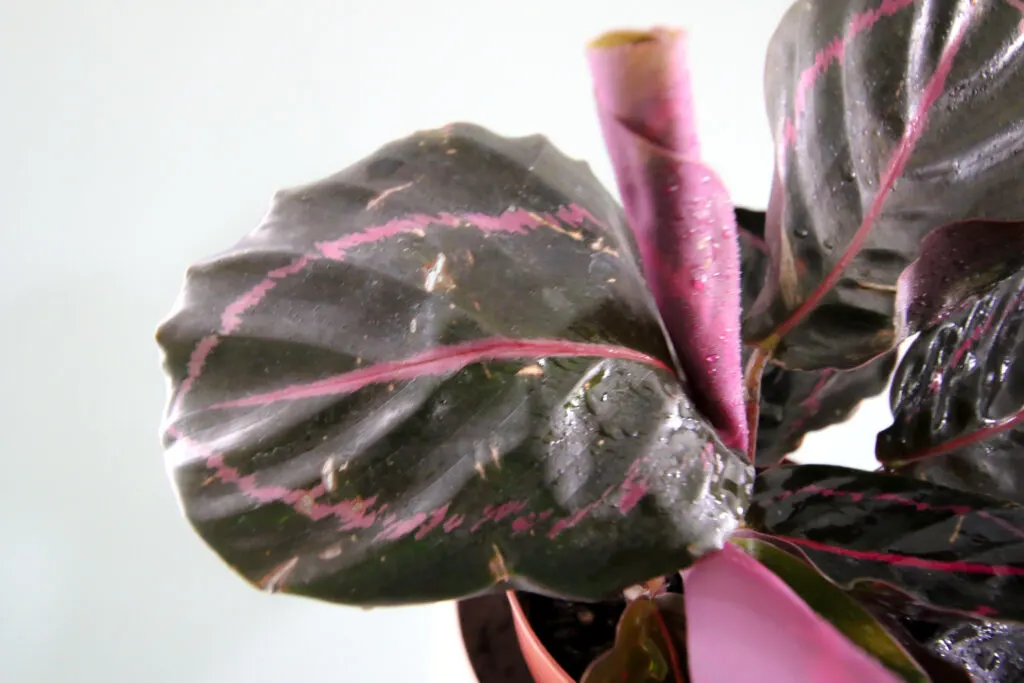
(501, 645)
(489, 638)
(542, 665)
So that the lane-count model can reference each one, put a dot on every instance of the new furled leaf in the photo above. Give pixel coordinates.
(958, 397)
(949, 548)
(679, 211)
(891, 118)
(437, 372)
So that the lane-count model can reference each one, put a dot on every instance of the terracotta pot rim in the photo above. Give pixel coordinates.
(542, 665)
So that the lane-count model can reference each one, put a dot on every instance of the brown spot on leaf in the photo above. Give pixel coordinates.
(329, 475)
(531, 371)
(274, 580)
(956, 529)
(331, 552)
(497, 566)
(876, 286)
(375, 202)
(789, 288)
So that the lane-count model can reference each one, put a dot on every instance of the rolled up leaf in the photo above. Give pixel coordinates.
(679, 210)
(436, 373)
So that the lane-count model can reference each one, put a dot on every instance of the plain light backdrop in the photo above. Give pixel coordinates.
(137, 137)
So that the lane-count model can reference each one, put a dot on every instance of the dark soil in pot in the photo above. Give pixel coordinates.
(576, 633)
(489, 636)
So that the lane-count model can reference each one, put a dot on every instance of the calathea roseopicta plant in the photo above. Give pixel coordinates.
(458, 367)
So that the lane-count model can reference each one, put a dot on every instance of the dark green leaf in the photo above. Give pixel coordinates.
(991, 652)
(437, 372)
(796, 402)
(949, 548)
(958, 396)
(891, 118)
(835, 606)
(753, 255)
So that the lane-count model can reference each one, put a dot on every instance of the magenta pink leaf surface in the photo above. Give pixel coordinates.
(748, 625)
(679, 211)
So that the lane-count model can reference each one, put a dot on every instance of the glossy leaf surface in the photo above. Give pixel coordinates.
(796, 402)
(437, 372)
(650, 644)
(958, 398)
(891, 118)
(958, 263)
(992, 652)
(835, 606)
(748, 625)
(754, 258)
(948, 548)
(679, 210)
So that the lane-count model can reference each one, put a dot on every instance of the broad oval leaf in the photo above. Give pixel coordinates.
(746, 624)
(891, 118)
(679, 210)
(437, 372)
(958, 398)
(949, 548)
(796, 402)
(834, 605)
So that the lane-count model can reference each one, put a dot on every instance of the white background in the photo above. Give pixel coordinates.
(137, 137)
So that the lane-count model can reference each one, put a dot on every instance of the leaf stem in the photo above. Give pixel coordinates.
(752, 389)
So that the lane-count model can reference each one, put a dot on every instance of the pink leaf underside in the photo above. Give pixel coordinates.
(748, 625)
(681, 215)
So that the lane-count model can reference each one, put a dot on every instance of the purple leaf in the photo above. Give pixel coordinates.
(952, 549)
(436, 373)
(796, 402)
(958, 396)
(680, 212)
(748, 625)
(957, 262)
(891, 118)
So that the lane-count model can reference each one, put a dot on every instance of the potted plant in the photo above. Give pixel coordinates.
(459, 367)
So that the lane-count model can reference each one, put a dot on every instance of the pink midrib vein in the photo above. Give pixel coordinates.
(440, 361)
(959, 566)
(897, 164)
(515, 221)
